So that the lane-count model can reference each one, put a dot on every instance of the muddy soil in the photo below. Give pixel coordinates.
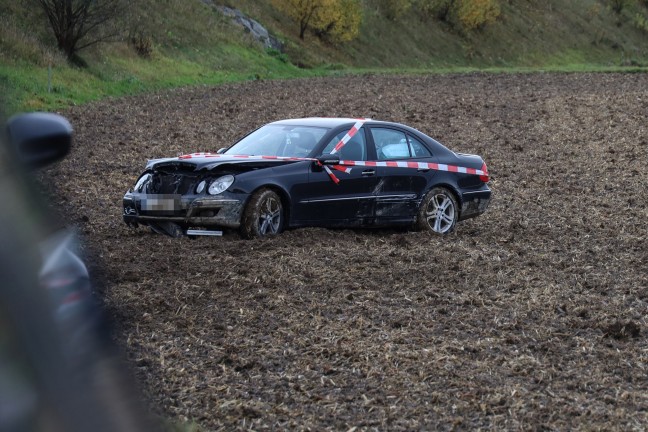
(532, 316)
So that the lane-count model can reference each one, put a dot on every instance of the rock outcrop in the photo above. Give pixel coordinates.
(251, 26)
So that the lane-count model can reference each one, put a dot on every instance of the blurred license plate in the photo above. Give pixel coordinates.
(165, 203)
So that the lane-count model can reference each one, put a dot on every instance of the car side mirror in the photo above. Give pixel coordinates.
(39, 139)
(329, 159)
(221, 150)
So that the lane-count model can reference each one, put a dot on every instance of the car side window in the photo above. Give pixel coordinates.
(390, 144)
(417, 148)
(354, 149)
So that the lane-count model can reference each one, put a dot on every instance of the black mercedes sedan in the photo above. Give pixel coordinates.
(329, 172)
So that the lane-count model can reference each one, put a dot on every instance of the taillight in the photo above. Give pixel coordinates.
(485, 178)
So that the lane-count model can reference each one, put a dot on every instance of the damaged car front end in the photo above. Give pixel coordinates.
(180, 197)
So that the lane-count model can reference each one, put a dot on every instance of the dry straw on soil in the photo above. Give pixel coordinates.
(531, 316)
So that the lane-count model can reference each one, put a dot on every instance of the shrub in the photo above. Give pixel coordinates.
(394, 9)
(437, 9)
(617, 5)
(463, 14)
(473, 14)
(142, 44)
(641, 22)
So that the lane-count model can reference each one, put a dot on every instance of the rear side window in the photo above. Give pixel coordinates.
(417, 148)
(390, 144)
(394, 144)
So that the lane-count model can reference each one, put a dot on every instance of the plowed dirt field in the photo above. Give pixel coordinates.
(532, 316)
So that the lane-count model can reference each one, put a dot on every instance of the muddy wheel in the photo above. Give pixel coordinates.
(263, 215)
(438, 212)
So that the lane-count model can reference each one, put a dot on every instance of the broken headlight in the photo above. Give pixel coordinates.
(139, 186)
(220, 185)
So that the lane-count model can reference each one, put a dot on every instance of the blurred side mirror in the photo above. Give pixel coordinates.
(39, 139)
(325, 159)
(329, 159)
(221, 150)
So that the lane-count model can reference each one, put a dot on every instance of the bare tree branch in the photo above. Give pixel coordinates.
(78, 24)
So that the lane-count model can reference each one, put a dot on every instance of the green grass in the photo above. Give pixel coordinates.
(71, 86)
(26, 85)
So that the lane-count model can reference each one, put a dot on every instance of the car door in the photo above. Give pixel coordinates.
(347, 203)
(400, 188)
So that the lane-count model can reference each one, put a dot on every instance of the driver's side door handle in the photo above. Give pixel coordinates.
(368, 173)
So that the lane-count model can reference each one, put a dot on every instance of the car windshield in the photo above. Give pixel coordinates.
(279, 140)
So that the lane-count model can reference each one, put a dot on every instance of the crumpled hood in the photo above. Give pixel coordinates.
(200, 161)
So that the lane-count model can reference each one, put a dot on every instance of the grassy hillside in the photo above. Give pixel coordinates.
(535, 34)
(194, 44)
(191, 44)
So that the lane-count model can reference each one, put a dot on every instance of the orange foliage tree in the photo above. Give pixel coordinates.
(473, 14)
(466, 14)
(337, 20)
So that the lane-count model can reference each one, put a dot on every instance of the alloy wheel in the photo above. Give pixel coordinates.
(270, 216)
(440, 213)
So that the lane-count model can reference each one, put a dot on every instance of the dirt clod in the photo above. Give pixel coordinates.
(620, 330)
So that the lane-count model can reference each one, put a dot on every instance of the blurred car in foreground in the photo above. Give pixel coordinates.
(58, 370)
(331, 172)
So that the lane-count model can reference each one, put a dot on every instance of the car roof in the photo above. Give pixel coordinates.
(333, 122)
(327, 122)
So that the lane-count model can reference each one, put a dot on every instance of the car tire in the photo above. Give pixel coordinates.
(263, 216)
(438, 212)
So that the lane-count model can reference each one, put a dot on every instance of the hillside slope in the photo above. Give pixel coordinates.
(190, 43)
(551, 33)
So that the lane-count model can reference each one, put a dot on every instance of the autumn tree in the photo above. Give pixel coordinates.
(78, 24)
(340, 23)
(338, 20)
(464, 14)
(473, 14)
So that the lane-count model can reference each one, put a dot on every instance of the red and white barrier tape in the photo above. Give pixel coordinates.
(417, 165)
(346, 138)
(345, 165)
(255, 157)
